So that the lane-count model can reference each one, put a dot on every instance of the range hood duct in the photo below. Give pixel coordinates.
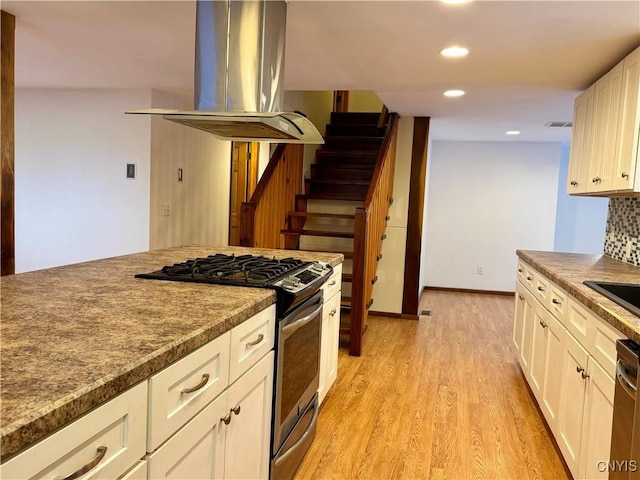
(239, 73)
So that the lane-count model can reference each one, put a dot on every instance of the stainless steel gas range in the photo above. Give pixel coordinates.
(299, 318)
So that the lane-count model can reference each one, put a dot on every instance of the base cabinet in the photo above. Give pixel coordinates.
(209, 447)
(569, 362)
(330, 336)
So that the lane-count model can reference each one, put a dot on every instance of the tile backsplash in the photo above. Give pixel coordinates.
(622, 239)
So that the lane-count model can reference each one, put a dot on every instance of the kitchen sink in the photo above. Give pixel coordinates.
(626, 295)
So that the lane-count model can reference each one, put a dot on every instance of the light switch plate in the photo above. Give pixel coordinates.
(131, 170)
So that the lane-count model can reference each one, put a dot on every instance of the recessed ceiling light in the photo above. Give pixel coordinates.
(513, 132)
(454, 93)
(454, 52)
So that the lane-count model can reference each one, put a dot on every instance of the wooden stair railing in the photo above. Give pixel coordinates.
(370, 224)
(263, 217)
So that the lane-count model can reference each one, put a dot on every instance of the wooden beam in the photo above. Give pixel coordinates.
(410, 296)
(7, 147)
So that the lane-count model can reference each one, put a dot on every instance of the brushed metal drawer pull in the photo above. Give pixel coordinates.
(555, 301)
(579, 369)
(236, 409)
(584, 375)
(101, 451)
(332, 283)
(625, 175)
(520, 270)
(529, 278)
(256, 341)
(203, 382)
(520, 297)
(541, 289)
(543, 324)
(332, 312)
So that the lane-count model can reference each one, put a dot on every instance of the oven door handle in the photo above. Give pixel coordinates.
(624, 380)
(306, 433)
(292, 327)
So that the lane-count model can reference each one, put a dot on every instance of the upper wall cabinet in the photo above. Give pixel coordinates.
(606, 125)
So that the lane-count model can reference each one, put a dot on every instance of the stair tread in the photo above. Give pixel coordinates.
(343, 166)
(322, 215)
(350, 152)
(336, 196)
(317, 233)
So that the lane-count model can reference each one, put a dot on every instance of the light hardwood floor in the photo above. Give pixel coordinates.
(438, 398)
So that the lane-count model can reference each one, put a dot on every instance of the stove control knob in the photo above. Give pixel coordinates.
(290, 282)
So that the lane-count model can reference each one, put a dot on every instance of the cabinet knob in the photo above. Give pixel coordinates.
(333, 312)
(596, 179)
(584, 375)
(574, 183)
(543, 324)
(624, 175)
(520, 297)
(226, 419)
(236, 409)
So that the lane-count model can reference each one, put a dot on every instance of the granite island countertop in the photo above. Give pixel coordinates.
(76, 336)
(569, 270)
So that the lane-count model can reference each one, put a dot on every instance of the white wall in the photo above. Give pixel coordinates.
(388, 290)
(485, 201)
(580, 221)
(199, 205)
(364, 101)
(73, 200)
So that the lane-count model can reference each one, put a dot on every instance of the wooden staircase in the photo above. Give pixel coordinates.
(338, 187)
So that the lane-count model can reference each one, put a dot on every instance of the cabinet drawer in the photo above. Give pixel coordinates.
(521, 271)
(529, 279)
(541, 289)
(334, 284)
(601, 344)
(119, 425)
(181, 390)
(578, 320)
(557, 302)
(252, 340)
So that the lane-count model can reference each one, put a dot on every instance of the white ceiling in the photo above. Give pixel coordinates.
(528, 59)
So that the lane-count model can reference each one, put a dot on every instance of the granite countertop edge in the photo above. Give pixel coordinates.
(41, 423)
(36, 424)
(617, 316)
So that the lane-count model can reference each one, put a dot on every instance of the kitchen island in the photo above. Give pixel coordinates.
(76, 336)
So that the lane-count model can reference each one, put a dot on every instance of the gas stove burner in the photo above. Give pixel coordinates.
(292, 278)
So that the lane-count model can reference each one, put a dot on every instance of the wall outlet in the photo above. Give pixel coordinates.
(166, 209)
(479, 270)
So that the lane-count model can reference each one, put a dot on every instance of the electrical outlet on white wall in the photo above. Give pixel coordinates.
(479, 270)
(166, 209)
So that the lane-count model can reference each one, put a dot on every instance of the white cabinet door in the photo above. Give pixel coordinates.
(527, 332)
(596, 437)
(625, 168)
(581, 142)
(329, 345)
(552, 385)
(572, 402)
(537, 365)
(248, 434)
(197, 450)
(518, 320)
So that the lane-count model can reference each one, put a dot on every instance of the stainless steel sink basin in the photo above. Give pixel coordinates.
(626, 295)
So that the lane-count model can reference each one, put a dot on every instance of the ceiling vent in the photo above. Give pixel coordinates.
(558, 124)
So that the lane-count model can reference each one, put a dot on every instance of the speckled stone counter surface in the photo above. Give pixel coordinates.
(76, 336)
(569, 270)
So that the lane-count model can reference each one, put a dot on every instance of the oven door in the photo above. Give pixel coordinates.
(297, 366)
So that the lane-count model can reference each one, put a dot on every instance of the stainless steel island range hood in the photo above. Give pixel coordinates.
(239, 68)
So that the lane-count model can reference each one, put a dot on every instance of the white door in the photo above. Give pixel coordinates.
(598, 418)
(197, 450)
(248, 434)
(552, 386)
(572, 402)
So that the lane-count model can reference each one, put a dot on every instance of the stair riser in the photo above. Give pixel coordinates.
(346, 143)
(338, 191)
(319, 173)
(332, 158)
(353, 130)
(350, 118)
